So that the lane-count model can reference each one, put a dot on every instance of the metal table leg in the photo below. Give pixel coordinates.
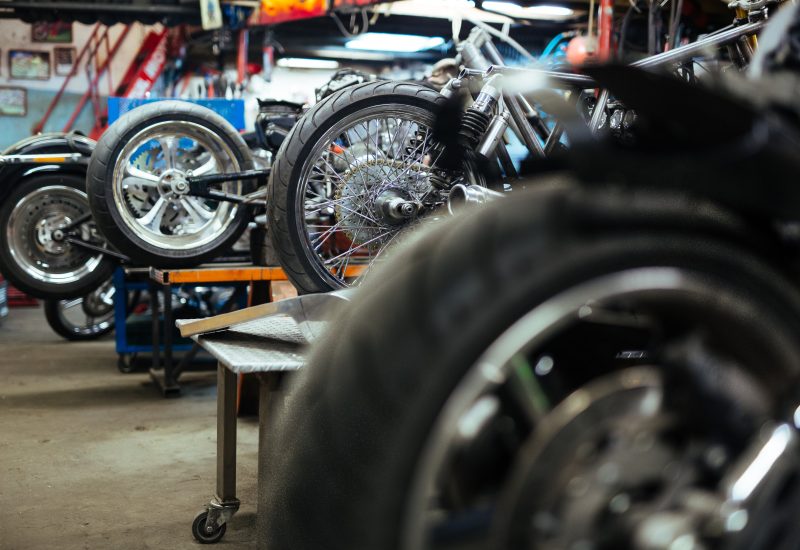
(154, 312)
(226, 433)
(163, 378)
(170, 383)
(210, 525)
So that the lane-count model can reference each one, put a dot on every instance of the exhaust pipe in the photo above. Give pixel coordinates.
(463, 196)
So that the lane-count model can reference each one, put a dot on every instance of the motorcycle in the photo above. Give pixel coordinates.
(366, 163)
(608, 361)
(172, 184)
(49, 245)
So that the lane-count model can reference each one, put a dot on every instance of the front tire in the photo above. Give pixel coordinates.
(354, 444)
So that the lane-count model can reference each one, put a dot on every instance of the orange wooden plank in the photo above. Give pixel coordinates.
(223, 275)
(231, 274)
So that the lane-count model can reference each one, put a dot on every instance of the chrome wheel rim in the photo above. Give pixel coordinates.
(150, 191)
(506, 367)
(30, 229)
(91, 314)
(367, 162)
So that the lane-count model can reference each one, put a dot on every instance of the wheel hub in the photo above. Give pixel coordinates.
(392, 207)
(377, 195)
(617, 463)
(172, 184)
(100, 302)
(49, 237)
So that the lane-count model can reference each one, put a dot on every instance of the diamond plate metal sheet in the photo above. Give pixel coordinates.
(264, 345)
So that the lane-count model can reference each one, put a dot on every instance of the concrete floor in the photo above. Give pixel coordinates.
(92, 458)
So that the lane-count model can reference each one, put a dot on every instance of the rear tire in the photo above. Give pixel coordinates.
(116, 216)
(285, 209)
(34, 272)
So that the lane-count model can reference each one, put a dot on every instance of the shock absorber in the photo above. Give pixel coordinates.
(476, 119)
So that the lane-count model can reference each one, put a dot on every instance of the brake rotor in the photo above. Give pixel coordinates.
(39, 220)
(598, 463)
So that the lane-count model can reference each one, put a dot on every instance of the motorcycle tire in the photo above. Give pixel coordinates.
(345, 447)
(29, 259)
(54, 314)
(117, 209)
(304, 267)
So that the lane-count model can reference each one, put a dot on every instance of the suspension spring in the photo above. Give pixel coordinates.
(473, 127)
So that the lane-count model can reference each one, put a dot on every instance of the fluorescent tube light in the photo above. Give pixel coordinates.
(386, 42)
(307, 63)
(542, 11)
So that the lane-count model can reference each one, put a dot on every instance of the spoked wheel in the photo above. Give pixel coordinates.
(85, 318)
(139, 193)
(565, 388)
(36, 219)
(353, 175)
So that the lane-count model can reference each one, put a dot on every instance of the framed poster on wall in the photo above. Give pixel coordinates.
(57, 32)
(29, 65)
(13, 101)
(63, 58)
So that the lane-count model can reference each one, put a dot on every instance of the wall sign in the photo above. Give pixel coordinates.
(29, 64)
(57, 32)
(63, 59)
(13, 101)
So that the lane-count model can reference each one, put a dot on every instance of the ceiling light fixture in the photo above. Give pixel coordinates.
(307, 63)
(386, 42)
(542, 11)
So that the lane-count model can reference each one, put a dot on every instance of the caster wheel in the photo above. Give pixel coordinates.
(199, 530)
(126, 363)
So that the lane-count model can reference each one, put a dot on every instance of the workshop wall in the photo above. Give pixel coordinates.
(18, 36)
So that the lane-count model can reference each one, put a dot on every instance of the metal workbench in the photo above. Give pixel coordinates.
(270, 347)
(258, 278)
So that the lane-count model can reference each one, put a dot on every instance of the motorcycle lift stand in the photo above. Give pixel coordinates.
(268, 340)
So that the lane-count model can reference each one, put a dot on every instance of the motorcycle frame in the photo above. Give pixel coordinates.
(516, 106)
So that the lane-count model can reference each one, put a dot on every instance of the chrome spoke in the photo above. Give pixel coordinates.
(362, 245)
(196, 210)
(169, 149)
(324, 236)
(152, 219)
(355, 168)
(136, 177)
(343, 268)
(332, 202)
(69, 304)
(208, 167)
